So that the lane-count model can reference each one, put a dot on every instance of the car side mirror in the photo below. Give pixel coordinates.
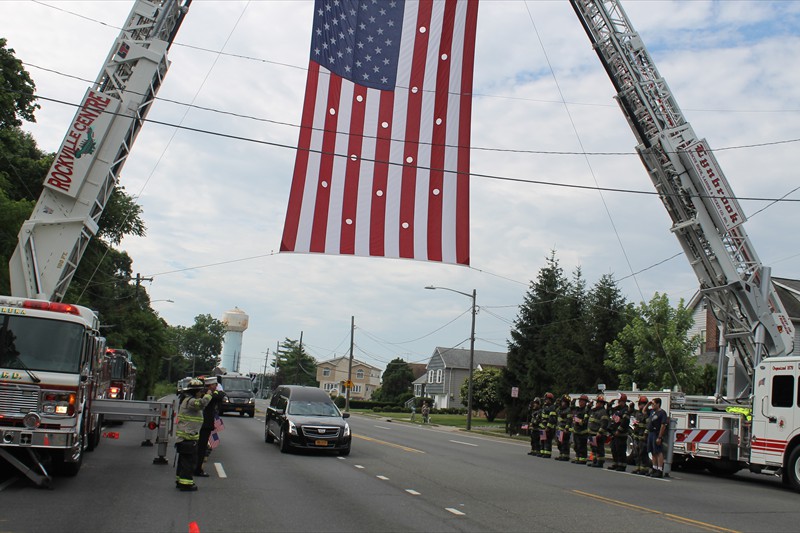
(345, 415)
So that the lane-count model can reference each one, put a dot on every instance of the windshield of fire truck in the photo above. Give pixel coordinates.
(40, 344)
(119, 367)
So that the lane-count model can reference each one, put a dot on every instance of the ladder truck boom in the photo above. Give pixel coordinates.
(706, 217)
(87, 166)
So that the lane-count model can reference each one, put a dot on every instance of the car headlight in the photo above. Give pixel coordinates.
(251, 400)
(225, 399)
(292, 428)
(346, 429)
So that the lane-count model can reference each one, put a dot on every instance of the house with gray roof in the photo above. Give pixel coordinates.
(447, 370)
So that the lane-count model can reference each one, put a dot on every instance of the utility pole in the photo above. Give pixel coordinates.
(264, 373)
(350, 366)
(139, 280)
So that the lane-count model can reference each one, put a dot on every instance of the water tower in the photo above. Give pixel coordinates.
(235, 322)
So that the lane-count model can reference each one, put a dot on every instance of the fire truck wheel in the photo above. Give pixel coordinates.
(94, 438)
(793, 469)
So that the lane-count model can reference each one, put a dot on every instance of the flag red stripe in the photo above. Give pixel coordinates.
(464, 121)
(292, 221)
(439, 138)
(413, 116)
(322, 205)
(382, 148)
(350, 202)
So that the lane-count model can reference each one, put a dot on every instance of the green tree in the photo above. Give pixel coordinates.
(17, 100)
(607, 312)
(201, 343)
(487, 394)
(654, 350)
(534, 336)
(396, 381)
(295, 366)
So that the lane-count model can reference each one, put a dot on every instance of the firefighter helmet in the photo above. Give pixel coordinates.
(584, 397)
(622, 398)
(194, 384)
(566, 398)
(600, 399)
(642, 399)
(537, 400)
(549, 396)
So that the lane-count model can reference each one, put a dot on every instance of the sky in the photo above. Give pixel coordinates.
(543, 116)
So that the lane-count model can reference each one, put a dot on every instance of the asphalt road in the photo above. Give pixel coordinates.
(398, 478)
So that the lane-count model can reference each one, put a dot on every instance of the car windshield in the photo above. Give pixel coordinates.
(40, 344)
(306, 408)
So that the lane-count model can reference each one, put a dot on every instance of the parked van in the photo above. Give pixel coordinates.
(306, 417)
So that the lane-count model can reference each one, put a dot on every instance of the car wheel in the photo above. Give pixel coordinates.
(241, 413)
(284, 442)
(268, 438)
(345, 452)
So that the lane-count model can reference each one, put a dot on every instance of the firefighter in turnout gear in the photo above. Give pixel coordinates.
(549, 421)
(533, 427)
(190, 420)
(639, 423)
(598, 431)
(619, 427)
(580, 429)
(563, 425)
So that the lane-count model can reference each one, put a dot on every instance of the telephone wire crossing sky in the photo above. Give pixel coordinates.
(382, 166)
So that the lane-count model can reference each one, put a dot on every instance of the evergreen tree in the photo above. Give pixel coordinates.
(607, 312)
(295, 366)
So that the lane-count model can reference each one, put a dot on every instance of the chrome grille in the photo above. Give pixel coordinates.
(321, 432)
(17, 400)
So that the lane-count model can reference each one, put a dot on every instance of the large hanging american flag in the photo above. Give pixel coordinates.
(382, 166)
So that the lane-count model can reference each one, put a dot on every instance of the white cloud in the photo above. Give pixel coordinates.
(211, 200)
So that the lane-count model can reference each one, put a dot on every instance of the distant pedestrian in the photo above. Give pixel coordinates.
(598, 431)
(426, 413)
(413, 412)
(619, 427)
(657, 423)
(580, 429)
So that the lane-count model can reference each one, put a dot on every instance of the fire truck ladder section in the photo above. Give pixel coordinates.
(706, 217)
(87, 166)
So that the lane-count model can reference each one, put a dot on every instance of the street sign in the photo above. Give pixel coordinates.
(515, 392)
(348, 384)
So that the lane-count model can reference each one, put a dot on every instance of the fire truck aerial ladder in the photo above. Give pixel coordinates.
(706, 217)
(90, 159)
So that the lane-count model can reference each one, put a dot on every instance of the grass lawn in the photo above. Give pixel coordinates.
(459, 421)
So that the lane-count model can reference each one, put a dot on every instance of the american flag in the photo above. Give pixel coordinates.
(213, 439)
(382, 166)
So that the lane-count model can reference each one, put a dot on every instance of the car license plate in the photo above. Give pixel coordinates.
(238, 409)
(320, 442)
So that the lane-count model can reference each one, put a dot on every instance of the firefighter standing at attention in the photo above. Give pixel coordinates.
(580, 429)
(598, 430)
(549, 421)
(639, 423)
(190, 420)
(619, 427)
(533, 427)
(563, 425)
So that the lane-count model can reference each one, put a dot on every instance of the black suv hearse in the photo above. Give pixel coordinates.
(306, 417)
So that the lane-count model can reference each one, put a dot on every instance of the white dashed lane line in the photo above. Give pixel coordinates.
(383, 478)
(412, 492)
(464, 443)
(220, 471)
(454, 511)
(383, 427)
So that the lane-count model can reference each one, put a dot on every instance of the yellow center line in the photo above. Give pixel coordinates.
(393, 445)
(668, 516)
